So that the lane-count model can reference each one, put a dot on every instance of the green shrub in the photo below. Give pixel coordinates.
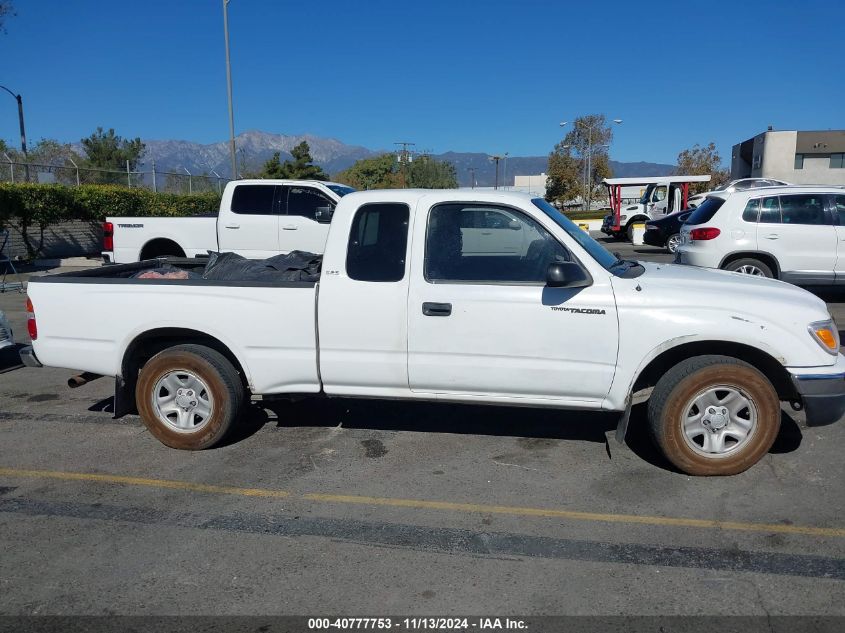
(30, 207)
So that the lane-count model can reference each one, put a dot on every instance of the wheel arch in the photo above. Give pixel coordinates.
(149, 343)
(766, 258)
(773, 369)
(152, 248)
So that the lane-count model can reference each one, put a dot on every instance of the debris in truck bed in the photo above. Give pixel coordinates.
(166, 271)
(293, 266)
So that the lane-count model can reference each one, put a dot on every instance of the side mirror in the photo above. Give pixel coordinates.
(567, 275)
(514, 225)
(323, 215)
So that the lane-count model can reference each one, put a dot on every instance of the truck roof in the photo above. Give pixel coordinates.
(653, 180)
(284, 181)
(438, 195)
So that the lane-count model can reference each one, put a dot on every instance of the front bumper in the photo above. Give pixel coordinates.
(29, 358)
(823, 396)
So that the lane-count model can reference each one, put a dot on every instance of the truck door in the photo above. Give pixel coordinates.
(298, 226)
(249, 225)
(660, 200)
(362, 303)
(486, 324)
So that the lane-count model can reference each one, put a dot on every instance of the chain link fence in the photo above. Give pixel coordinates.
(164, 181)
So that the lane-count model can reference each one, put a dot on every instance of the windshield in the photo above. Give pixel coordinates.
(645, 198)
(596, 250)
(340, 190)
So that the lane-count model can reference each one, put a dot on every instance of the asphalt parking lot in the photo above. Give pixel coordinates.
(358, 507)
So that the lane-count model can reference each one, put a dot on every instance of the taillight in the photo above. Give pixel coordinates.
(704, 234)
(108, 236)
(31, 326)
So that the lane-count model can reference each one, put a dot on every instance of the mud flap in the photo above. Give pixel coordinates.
(124, 397)
(622, 426)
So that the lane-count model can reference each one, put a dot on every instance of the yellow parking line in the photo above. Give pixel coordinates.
(422, 504)
(142, 481)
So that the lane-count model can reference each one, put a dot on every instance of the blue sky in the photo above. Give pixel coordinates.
(464, 75)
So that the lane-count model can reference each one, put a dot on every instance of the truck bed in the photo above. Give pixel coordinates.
(88, 319)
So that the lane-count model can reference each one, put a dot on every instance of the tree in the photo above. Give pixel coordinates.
(300, 168)
(698, 161)
(108, 151)
(562, 183)
(427, 173)
(378, 172)
(587, 143)
(7, 10)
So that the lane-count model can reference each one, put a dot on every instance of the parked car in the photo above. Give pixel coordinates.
(736, 185)
(7, 338)
(665, 232)
(257, 219)
(407, 309)
(794, 233)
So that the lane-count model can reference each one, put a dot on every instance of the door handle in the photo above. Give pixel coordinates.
(772, 236)
(437, 309)
(289, 227)
(233, 226)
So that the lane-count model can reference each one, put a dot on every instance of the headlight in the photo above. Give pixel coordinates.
(622, 217)
(826, 335)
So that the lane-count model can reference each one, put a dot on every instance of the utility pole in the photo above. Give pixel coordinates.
(19, 99)
(496, 158)
(404, 159)
(471, 171)
(229, 87)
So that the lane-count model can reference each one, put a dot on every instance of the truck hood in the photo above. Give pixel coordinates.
(732, 291)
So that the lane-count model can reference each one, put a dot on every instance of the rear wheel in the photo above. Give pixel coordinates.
(161, 248)
(189, 396)
(750, 266)
(673, 243)
(714, 415)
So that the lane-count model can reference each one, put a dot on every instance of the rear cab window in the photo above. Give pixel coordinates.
(378, 242)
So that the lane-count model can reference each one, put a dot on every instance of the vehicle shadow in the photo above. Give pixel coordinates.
(429, 417)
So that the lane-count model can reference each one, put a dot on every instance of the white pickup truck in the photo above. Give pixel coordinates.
(464, 296)
(257, 219)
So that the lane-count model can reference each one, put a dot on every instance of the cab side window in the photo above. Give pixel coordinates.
(304, 201)
(485, 244)
(254, 200)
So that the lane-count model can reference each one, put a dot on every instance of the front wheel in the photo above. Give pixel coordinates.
(189, 396)
(629, 232)
(673, 243)
(714, 415)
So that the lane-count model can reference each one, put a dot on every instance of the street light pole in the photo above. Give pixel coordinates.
(471, 171)
(229, 87)
(19, 99)
(496, 158)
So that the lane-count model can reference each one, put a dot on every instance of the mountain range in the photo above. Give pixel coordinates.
(254, 147)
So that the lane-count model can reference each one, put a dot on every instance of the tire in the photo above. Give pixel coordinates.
(750, 266)
(203, 377)
(694, 386)
(629, 232)
(673, 242)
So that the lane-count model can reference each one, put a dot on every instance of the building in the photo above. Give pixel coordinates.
(801, 158)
